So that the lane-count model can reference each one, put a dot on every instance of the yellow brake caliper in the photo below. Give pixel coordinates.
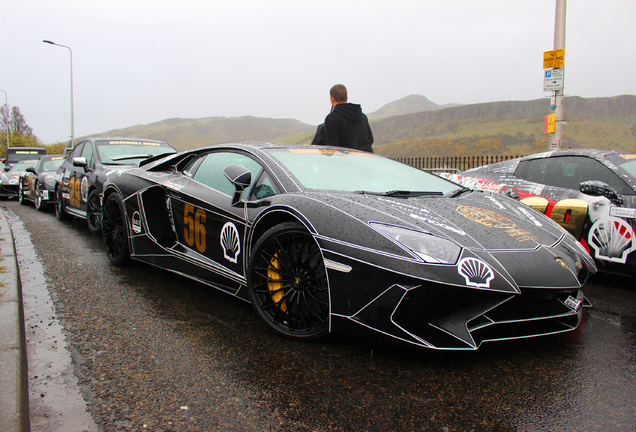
(276, 288)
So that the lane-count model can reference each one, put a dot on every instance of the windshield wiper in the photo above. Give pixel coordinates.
(459, 192)
(126, 157)
(403, 193)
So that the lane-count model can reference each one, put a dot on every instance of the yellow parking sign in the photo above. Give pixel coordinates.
(550, 121)
(554, 59)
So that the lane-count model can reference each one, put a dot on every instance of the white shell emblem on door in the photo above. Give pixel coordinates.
(230, 242)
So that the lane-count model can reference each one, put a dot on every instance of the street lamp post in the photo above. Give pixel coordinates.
(72, 114)
(6, 115)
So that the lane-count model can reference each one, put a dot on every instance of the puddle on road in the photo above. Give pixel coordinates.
(55, 401)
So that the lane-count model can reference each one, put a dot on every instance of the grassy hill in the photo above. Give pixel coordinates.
(415, 126)
(185, 134)
(508, 127)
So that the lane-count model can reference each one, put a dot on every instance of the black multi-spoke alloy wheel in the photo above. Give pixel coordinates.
(21, 198)
(60, 214)
(94, 212)
(288, 282)
(37, 197)
(115, 231)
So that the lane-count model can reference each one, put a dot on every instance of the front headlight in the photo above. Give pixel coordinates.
(427, 246)
(49, 181)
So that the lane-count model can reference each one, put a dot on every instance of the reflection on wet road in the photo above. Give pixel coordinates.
(154, 351)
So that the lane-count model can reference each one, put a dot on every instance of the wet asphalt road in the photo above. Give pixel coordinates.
(154, 351)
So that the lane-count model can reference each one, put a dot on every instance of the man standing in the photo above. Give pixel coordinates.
(346, 125)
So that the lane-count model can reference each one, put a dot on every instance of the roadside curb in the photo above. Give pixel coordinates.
(14, 397)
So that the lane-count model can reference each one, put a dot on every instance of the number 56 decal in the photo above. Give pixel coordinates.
(194, 227)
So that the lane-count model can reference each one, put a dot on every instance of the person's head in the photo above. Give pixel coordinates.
(338, 94)
(598, 206)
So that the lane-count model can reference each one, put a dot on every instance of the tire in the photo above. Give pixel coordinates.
(94, 212)
(21, 198)
(115, 231)
(37, 197)
(60, 212)
(287, 283)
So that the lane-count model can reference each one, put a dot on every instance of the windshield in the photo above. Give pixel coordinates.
(354, 171)
(627, 161)
(21, 166)
(52, 164)
(130, 152)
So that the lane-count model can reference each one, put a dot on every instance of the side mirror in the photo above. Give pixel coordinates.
(240, 177)
(31, 170)
(599, 188)
(80, 161)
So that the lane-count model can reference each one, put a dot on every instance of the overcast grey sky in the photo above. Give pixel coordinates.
(141, 61)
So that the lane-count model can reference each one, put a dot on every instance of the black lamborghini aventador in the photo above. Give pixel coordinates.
(323, 239)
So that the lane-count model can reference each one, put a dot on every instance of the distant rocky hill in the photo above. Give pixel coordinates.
(407, 105)
(415, 126)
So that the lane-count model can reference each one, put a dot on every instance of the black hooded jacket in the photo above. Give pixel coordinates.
(348, 126)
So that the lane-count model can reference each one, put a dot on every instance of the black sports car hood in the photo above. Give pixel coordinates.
(472, 220)
(511, 238)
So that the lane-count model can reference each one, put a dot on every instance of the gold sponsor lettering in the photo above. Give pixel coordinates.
(485, 217)
(521, 235)
(538, 203)
(570, 214)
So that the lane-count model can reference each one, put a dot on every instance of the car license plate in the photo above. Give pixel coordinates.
(45, 195)
(573, 303)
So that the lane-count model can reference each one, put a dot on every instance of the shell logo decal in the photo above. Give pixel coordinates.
(230, 242)
(476, 272)
(84, 188)
(612, 239)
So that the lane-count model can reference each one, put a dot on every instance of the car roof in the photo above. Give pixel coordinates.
(594, 153)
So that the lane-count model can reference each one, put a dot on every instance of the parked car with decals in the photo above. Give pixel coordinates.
(10, 178)
(81, 176)
(37, 183)
(326, 239)
(591, 193)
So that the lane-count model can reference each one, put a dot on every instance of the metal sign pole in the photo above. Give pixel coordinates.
(559, 43)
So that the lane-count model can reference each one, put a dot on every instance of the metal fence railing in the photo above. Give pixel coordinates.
(452, 163)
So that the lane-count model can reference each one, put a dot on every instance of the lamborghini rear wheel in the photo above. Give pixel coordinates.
(115, 231)
(288, 282)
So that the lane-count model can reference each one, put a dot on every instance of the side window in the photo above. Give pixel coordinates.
(87, 152)
(569, 172)
(190, 166)
(534, 170)
(263, 188)
(210, 170)
(591, 169)
(77, 151)
(562, 172)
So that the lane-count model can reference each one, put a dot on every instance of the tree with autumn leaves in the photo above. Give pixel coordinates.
(20, 133)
